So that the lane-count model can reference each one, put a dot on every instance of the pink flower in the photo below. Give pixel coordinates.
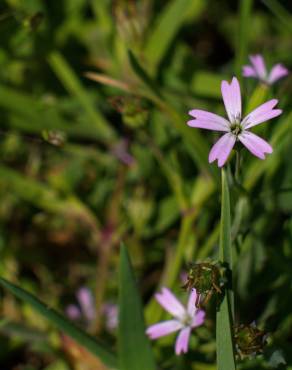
(236, 128)
(86, 302)
(185, 319)
(258, 69)
(110, 312)
(85, 309)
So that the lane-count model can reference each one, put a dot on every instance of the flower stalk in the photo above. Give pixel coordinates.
(225, 312)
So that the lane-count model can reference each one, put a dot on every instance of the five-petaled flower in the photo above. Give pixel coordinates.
(236, 127)
(258, 70)
(185, 319)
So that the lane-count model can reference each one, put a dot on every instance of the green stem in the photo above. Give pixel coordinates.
(237, 167)
(225, 312)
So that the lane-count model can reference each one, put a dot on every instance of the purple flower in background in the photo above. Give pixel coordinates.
(120, 151)
(185, 319)
(258, 69)
(236, 127)
(85, 309)
(73, 312)
(110, 312)
(86, 302)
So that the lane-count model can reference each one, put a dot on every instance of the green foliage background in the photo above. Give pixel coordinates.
(84, 87)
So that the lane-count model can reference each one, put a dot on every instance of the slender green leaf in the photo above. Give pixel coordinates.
(280, 12)
(225, 252)
(33, 116)
(134, 347)
(167, 25)
(194, 141)
(139, 70)
(224, 321)
(61, 323)
(74, 86)
(245, 9)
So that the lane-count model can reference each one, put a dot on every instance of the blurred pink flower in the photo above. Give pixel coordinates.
(258, 70)
(235, 127)
(73, 312)
(121, 151)
(86, 302)
(185, 319)
(85, 309)
(110, 312)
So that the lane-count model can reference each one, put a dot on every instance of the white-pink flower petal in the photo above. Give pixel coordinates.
(170, 303)
(259, 65)
(208, 121)
(163, 328)
(222, 148)
(86, 302)
(232, 99)
(182, 341)
(191, 308)
(277, 72)
(248, 71)
(261, 114)
(255, 144)
(198, 318)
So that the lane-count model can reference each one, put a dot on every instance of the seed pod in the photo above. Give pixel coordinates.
(249, 340)
(207, 278)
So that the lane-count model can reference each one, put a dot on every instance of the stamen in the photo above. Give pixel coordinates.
(236, 128)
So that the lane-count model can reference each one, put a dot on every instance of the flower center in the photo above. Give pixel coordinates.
(236, 128)
(187, 320)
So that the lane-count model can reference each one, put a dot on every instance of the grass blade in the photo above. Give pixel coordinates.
(30, 115)
(224, 341)
(167, 26)
(134, 347)
(61, 323)
(74, 86)
(280, 12)
(142, 74)
(194, 141)
(245, 9)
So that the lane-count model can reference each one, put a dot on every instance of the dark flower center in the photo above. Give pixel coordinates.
(236, 128)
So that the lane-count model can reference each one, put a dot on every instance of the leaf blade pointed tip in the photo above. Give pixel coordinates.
(134, 346)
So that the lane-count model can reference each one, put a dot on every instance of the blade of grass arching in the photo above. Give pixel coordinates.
(109, 81)
(74, 87)
(194, 141)
(225, 314)
(30, 115)
(133, 345)
(167, 24)
(142, 74)
(245, 9)
(46, 198)
(280, 12)
(61, 323)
